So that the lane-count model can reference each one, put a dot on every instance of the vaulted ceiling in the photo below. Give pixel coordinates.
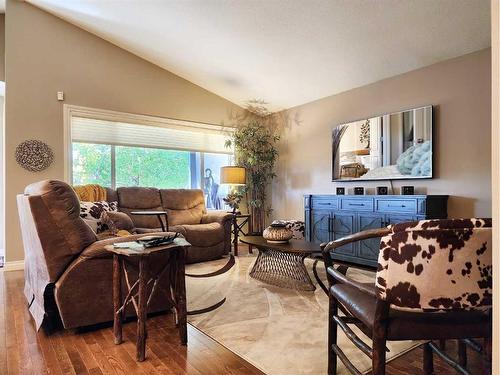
(286, 52)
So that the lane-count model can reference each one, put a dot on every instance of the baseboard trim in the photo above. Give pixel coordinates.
(17, 265)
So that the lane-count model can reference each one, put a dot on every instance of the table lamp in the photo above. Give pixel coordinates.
(233, 176)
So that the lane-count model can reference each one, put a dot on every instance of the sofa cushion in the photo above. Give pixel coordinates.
(140, 199)
(184, 206)
(203, 235)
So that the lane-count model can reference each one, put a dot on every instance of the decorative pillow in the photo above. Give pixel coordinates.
(91, 212)
(298, 229)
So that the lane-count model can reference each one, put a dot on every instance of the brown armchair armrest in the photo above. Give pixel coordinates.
(216, 217)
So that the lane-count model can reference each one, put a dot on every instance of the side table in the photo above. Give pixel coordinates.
(137, 292)
(158, 214)
(238, 228)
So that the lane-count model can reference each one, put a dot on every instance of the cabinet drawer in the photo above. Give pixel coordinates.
(324, 204)
(356, 204)
(397, 205)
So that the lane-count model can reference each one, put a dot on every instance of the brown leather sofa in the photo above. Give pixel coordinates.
(209, 233)
(68, 274)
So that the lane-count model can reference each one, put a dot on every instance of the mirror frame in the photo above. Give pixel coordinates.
(433, 132)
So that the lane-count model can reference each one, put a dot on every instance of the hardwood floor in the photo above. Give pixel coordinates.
(25, 351)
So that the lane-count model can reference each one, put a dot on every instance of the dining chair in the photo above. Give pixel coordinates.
(433, 282)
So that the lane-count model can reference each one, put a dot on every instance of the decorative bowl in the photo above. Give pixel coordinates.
(277, 234)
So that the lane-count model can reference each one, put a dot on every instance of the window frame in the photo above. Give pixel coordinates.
(70, 111)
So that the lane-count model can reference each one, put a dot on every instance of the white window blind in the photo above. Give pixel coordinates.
(172, 135)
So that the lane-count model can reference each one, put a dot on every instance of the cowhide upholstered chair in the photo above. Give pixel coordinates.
(433, 282)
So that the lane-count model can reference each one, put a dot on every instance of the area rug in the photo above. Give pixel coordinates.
(280, 331)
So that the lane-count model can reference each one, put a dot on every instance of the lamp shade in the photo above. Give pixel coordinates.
(233, 175)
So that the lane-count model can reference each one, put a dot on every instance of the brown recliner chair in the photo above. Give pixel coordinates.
(433, 282)
(68, 274)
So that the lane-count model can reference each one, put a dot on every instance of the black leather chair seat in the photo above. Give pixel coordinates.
(412, 325)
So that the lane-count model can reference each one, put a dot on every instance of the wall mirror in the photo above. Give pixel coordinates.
(392, 146)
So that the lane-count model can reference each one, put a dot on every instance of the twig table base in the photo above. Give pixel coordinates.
(141, 291)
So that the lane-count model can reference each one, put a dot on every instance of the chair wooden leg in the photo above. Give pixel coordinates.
(462, 353)
(378, 360)
(379, 337)
(487, 356)
(332, 336)
(428, 360)
(442, 344)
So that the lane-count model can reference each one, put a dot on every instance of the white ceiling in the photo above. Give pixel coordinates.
(286, 52)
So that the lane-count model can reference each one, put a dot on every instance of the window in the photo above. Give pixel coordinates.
(212, 188)
(139, 166)
(163, 153)
(91, 164)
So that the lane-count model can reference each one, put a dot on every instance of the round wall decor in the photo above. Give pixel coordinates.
(34, 155)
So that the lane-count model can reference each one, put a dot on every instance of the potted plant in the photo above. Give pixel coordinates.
(255, 144)
(233, 200)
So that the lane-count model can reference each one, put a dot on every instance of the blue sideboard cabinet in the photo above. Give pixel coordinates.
(329, 217)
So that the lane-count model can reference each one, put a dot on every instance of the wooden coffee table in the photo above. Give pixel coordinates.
(282, 264)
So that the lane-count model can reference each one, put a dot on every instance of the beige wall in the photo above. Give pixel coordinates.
(460, 90)
(495, 136)
(46, 55)
(2, 47)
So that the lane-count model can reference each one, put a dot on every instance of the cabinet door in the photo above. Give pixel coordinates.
(343, 225)
(369, 249)
(320, 226)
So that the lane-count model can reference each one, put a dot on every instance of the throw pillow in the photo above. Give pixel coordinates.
(91, 212)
